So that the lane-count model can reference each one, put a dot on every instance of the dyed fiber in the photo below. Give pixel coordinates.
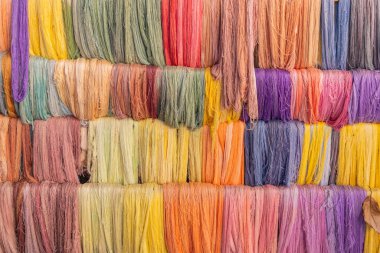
(119, 31)
(302, 220)
(287, 33)
(112, 155)
(164, 153)
(210, 49)
(290, 237)
(344, 218)
(372, 238)
(72, 48)
(10, 149)
(214, 113)
(376, 57)
(316, 153)
(308, 34)
(182, 97)
(306, 85)
(363, 30)
(106, 212)
(335, 136)
(250, 219)
(51, 218)
(8, 239)
(135, 91)
(359, 156)
(195, 156)
(193, 216)
(334, 98)
(236, 65)
(19, 49)
(274, 90)
(5, 24)
(313, 219)
(182, 31)
(27, 154)
(148, 151)
(223, 157)
(335, 26)
(46, 29)
(6, 66)
(56, 150)
(84, 86)
(3, 108)
(34, 106)
(365, 97)
(272, 152)
(306, 89)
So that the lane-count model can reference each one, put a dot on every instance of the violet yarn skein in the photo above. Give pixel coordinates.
(344, 218)
(272, 152)
(20, 49)
(273, 94)
(365, 97)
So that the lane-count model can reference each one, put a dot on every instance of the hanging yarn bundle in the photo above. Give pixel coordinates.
(51, 218)
(363, 30)
(182, 31)
(306, 89)
(335, 18)
(106, 212)
(101, 209)
(274, 90)
(34, 106)
(314, 225)
(8, 239)
(19, 49)
(112, 155)
(67, 12)
(359, 156)
(182, 97)
(193, 216)
(236, 64)
(335, 136)
(210, 48)
(3, 107)
(42, 100)
(272, 152)
(250, 219)
(290, 220)
(344, 218)
(56, 150)
(195, 156)
(316, 152)
(302, 220)
(5, 24)
(287, 33)
(214, 113)
(223, 154)
(6, 74)
(335, 98)
(135, 91)
(316, 219)
(372, 238)
(84, 86)
(119, 31)
(164, 152)
(308, 34)
(46, 29)
(365, 97)
(376, 57)
(11, 148)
